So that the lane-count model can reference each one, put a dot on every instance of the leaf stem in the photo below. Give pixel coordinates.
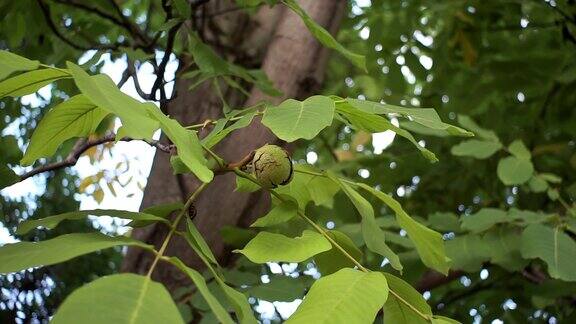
(330, 239)
(212, 122)
(319, 174)
(174, 227)
(54, 68)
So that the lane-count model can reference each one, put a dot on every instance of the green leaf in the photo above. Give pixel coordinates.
(371, 232)
(219, 310)
(483, 133)
(10, 63)
(211, 65)
(187, 142)
(262, 82)
(178, 167)
(245, 185)
(514, 171)
(476, 149)
(239, 302)
(120, 298)
(333, 260)
(549, 177)
(528, 216)
(163, 210)
(239, 278)
(306, 187)
(280, 288)
(467, 252)
(427, 117)
(504, 244)
(324, 37)
(347, 296)
(170, 24)
(372, 123)
(30, 82)
(395, 311)
(53, 221)
(198, 241)
(281, 213)
(447, 222)
(7, 177)
(102, 91)
(484, 219)
(428, 243)
(24, 255)
(214, 137)
(236, 237)
(519, 150)
(271, 247)
(77, 117)
(293, 119)
(322, 190)
(537, 183)
(11, 152)
(183, 8)
(553, 246)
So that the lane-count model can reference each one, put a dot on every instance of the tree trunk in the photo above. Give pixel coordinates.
(295, 62)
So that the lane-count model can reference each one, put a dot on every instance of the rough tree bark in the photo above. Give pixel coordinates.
(295, 63)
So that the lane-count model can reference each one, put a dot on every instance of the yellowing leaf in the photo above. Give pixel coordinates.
(98, 195)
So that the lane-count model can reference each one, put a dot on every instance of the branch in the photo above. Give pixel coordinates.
(131, 27)
(433, 279)
(82, 146)
(94, 10)
(48, 17)
(134, 74)
(159, 82)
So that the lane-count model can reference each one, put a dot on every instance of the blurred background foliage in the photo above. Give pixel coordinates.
(504, 69)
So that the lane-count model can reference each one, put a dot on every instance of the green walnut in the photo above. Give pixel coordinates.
(272, 166)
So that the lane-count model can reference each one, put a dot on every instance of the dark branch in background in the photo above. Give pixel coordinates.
(93, 10)
(516, 27)
(48, 17)
(81, 147)
(131, 72)
(562, 13)
(433, 279)
(142, 40)
(131, 27)
(125, 77)
(159, 82)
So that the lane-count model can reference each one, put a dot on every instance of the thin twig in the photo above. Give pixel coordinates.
(81, 147)
(134, 74)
